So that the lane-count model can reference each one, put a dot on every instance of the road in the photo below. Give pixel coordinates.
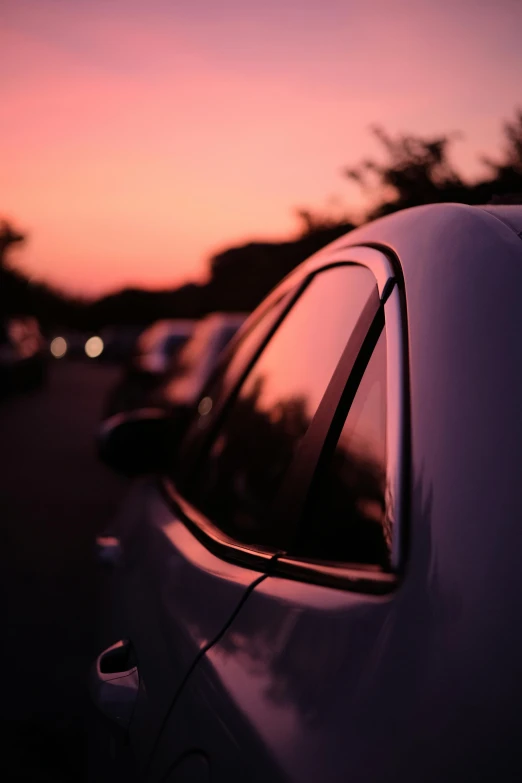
(54, 497)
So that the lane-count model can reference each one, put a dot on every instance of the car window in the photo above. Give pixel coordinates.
(225, 377)
(345, 518)
(237, 482)
(196, 362)
(191, 351)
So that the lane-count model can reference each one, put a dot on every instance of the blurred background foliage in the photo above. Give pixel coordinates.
(413, 171)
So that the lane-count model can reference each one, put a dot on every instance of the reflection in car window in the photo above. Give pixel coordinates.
(199, 357)
(257, 440)
(229, 371)
(346, 516)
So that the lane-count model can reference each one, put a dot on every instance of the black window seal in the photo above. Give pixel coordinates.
(340, 576)
(211, 536)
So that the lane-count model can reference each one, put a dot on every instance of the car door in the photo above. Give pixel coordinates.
(175, 595)
(170, 596)
(259, 485)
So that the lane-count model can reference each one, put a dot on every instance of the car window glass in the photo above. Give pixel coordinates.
(346, 513)
(227, 374)
(238, 481)
(197, 360)
(190, 353)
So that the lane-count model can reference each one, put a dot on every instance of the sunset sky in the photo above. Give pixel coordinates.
(137, 138)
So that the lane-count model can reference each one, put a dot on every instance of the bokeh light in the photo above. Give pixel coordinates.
(205, 406)
(94, 347)
(58, 347)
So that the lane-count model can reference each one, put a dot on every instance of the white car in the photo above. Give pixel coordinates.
(324, 582)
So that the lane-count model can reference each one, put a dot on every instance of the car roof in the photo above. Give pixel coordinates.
(511, 215)
(426, 226)
(155, 334)
(439, 236)
(224, 318)
(179, 326)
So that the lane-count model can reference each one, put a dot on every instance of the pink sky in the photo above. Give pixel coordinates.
(139, 137)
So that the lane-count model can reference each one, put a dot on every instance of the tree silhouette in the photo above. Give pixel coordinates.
(8, 237)
(506, 178)
(21, 296)
(415, 170)
(418, 170)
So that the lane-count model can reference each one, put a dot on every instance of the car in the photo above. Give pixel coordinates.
(322, 582)
(145, 397)
(154, 353)
(159, 344)
(197, 359)
(23, 355)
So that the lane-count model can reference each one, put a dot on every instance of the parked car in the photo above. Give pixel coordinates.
(197, 359)
(155, 351)
(23, 356)
(323, 582)
(159, 344)
(145, 396)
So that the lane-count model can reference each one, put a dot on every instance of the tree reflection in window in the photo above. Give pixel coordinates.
(247, 461)
(346, 517)
(237, 483)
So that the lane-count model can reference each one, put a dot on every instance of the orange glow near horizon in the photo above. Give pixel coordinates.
(139, 138)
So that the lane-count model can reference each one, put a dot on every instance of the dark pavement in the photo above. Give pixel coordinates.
(54, 497)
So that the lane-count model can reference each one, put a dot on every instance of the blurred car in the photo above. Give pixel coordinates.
(23, 355)
(158, 345)
(173, 384)
(138, 408)
(323, 582)
(154, 352)
(196, 361)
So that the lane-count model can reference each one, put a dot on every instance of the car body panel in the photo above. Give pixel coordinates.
(173, 597)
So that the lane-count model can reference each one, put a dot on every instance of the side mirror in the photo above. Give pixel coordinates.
(140, 442)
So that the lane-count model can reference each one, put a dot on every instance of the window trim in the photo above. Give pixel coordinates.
(211, 536)
(397, 426)
(280, 563)
(372, 258)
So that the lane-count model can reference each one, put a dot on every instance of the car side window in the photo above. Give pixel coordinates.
(238, 481)
(345, 520)
(227, 374)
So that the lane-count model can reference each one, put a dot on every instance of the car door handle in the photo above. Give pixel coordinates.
(114, 682)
